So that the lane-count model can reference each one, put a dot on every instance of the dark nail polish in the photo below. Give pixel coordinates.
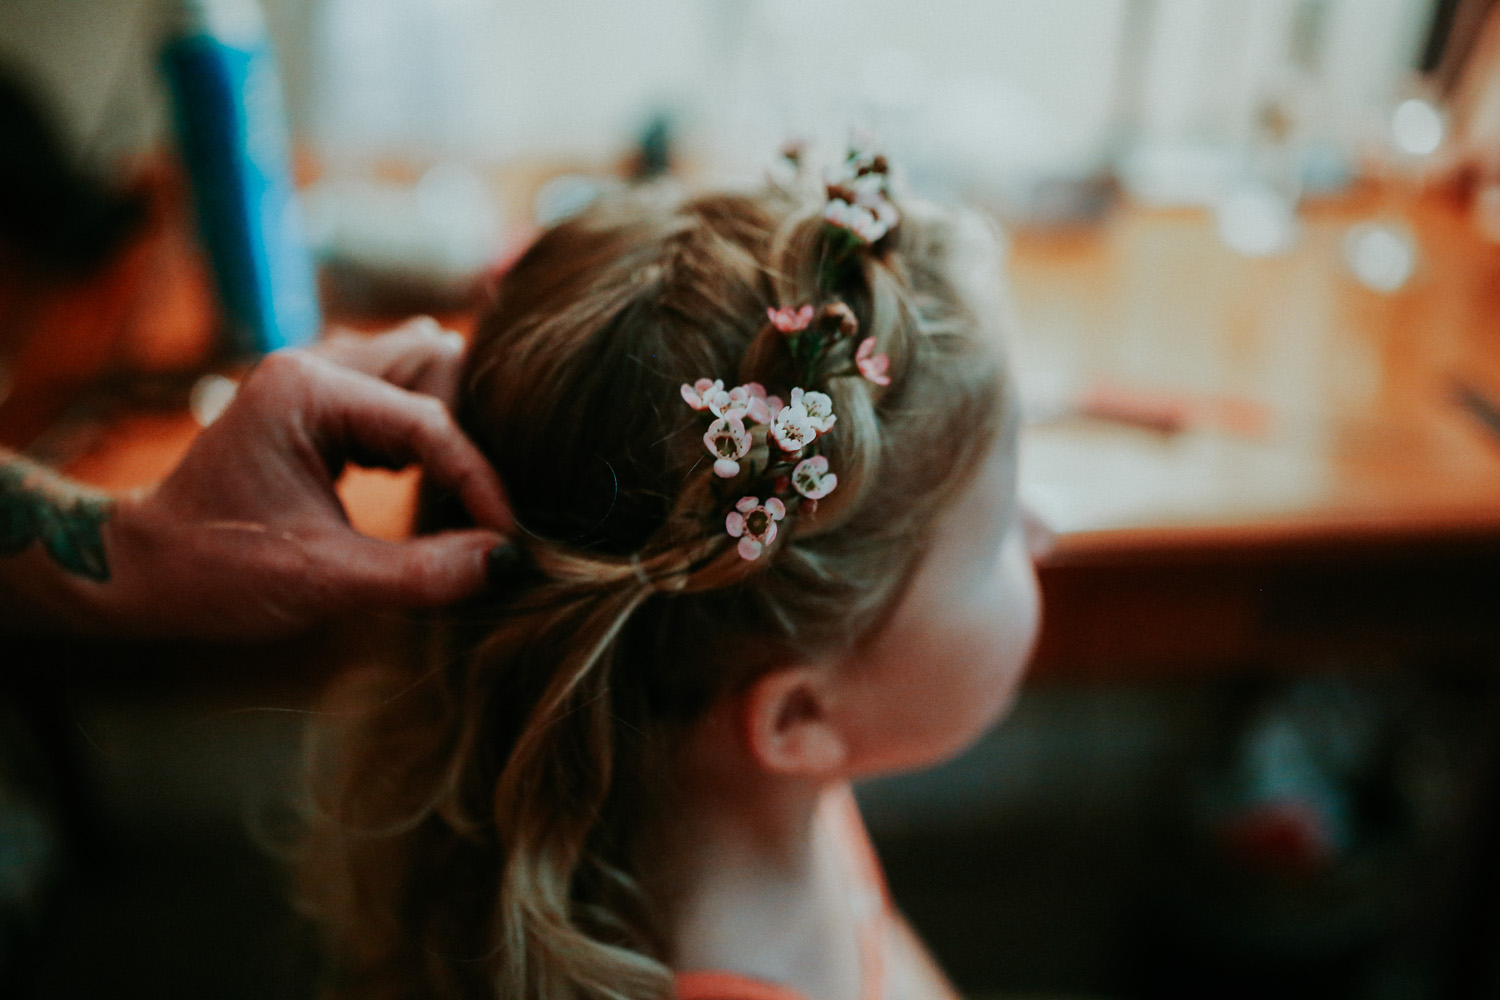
(502, 563)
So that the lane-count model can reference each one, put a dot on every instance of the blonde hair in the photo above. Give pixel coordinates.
(473, 836)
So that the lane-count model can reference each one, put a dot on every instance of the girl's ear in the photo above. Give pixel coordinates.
(789, 726)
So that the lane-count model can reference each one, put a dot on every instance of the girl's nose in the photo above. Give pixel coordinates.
(1040, 539)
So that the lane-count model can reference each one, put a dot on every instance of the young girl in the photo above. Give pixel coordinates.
(762, 452)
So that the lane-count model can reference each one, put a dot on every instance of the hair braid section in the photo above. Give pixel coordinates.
(488, 807)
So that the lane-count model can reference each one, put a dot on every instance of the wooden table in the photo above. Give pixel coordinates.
(1325, 493)
(1322, 492)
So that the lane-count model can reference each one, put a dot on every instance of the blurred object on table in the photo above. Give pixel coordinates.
(1257, 215)
(1472, 75)
(655, 149)
(1482, 405)
(1139, 406)
(1404, 155)
(1381, 253)
(392, 248)
(232, 140)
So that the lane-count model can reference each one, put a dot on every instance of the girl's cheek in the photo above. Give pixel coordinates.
(1016, 613)
(1029, 594)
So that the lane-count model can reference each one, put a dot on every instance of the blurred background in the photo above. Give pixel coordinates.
(1253, 253)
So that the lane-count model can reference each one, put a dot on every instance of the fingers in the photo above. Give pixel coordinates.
(351, 415)
(408, 427)
(424, 572)
(418, 355)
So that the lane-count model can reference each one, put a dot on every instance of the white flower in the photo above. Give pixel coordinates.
(792, 427)
(812, 479)
(750, 400)
(839, 212)
(700, 392)
(859, 197)
(712, 396)
(819, 407)
(754, 524)
(728, 441)
(886, 216)
(868, 222)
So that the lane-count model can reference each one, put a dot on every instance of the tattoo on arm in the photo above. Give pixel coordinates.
(35, 506)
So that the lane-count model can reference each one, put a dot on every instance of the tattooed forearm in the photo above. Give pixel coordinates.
(36, 506)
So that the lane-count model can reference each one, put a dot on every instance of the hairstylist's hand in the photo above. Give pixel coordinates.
(247, 537)
(418, 355)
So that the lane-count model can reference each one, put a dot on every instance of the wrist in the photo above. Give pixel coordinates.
(113, 603)
(53, 561)
(58, 598)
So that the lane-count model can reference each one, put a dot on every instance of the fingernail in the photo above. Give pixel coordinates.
(502, 563)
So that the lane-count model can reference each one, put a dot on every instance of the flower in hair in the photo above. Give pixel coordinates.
(866, 223)
(819, 407)
(751, 400)
(774, 446)
(789, 320)
(704, 393)
(792, 427)
(859, 197)
(812, 479)
(841, 314)
(728, 441)
(754, 524)
(871, 365)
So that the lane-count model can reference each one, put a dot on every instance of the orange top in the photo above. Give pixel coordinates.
(872, 907)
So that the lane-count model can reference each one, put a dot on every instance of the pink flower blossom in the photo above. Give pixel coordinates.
(792, 428)
(871, 365)
(812, 478)
(728, 441)
(701, 392)
(819, 407)
(754, 524)
(750, 399)
(712, 396)
(789, 320)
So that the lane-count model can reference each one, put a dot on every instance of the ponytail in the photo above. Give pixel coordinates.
(547, 803)
(475, 833)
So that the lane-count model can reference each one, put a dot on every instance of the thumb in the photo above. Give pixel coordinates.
(421, 572)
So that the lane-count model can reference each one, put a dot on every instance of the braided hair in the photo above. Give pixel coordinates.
(474, 833)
